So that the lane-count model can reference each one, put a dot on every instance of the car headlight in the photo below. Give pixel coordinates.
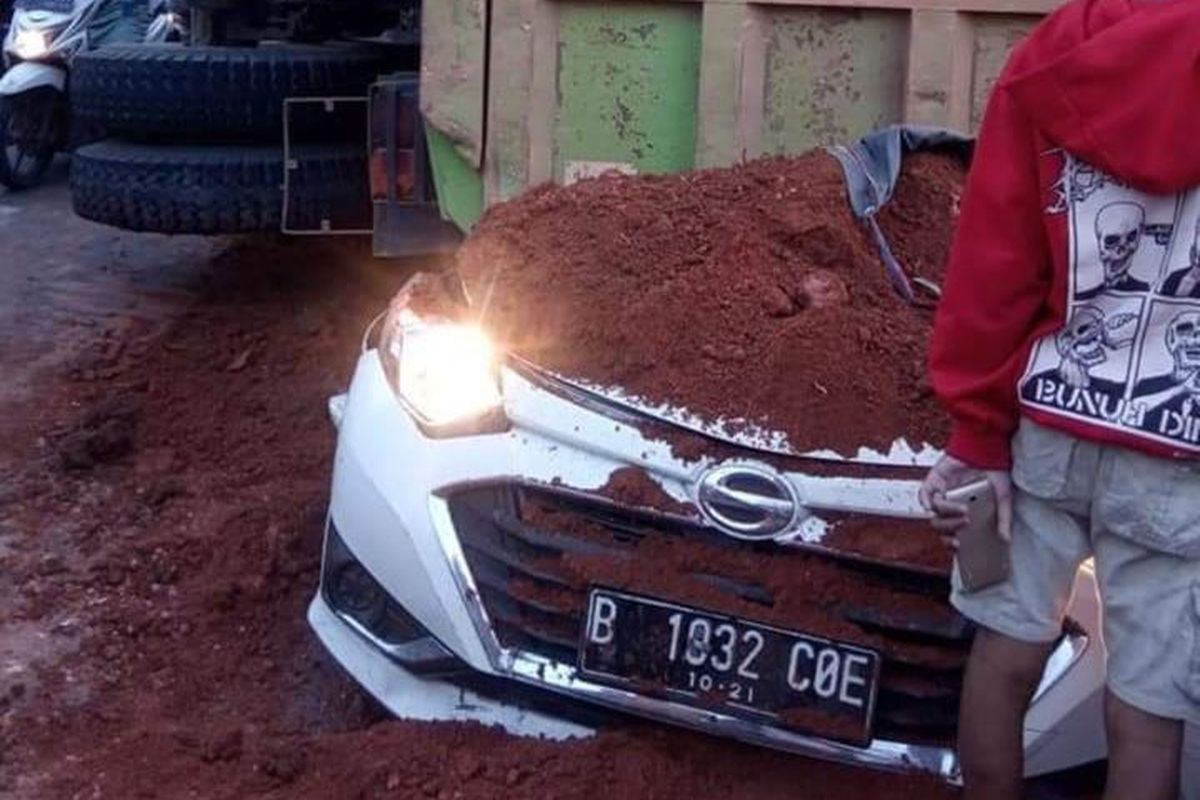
(446, 373)
(30, 44)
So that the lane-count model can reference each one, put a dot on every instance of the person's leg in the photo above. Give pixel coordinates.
(1002, 675)
(1144, 753)
(1019, 619)
(1147, 547)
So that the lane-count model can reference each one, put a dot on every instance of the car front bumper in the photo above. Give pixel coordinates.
(389, 504)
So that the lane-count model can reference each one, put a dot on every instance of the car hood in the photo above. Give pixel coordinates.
(737, 432)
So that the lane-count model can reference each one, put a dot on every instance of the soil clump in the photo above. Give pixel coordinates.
(633, 486)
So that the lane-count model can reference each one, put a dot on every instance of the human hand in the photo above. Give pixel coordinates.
(950, 473)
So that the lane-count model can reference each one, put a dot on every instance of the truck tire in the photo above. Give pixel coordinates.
(152, 92)
(219, 189)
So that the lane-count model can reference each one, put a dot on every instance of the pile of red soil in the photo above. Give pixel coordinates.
(750, 293)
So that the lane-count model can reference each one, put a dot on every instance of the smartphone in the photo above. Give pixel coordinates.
(983, 558)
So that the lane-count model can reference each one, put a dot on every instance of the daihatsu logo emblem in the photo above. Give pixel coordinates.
(747, 502)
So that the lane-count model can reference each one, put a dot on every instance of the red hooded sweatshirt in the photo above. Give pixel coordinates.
(1073, 291)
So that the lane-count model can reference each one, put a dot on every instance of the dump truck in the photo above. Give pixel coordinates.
(273, 115)
(480, 100)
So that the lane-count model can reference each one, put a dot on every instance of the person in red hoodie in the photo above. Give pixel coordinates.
(1067, 351)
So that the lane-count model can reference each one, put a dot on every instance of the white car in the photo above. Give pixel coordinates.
(429, 554)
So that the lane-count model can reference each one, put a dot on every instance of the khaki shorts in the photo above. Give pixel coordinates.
(1139, 517)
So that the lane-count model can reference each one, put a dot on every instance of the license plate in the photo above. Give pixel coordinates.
(742, 668)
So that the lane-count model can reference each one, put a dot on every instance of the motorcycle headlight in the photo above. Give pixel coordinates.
(29, 45)
(446, 373)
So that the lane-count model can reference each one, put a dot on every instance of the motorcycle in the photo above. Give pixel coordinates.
(43, 37)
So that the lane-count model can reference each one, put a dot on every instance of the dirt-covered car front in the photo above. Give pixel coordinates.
(655, 450)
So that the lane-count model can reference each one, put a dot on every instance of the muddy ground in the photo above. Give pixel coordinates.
(164, 464)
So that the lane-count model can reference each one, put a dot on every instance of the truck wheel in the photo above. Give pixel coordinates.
(151, 92)
(219, 189)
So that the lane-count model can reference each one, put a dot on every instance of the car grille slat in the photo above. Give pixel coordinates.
(920, 684)
(918, 715)
(507, 560)
(535, 604)
(955, 631)
(746, 591)
(494, 550)
(533, 623)
(499, 579)
(512, 526)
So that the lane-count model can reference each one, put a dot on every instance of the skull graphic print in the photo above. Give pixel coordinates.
(1119, 230)
(1172, 393)
(1183, 342)
(1085, 341)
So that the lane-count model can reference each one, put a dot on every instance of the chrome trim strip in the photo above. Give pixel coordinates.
(415, 653)
(1065, 655)
(443, 526)
(365, 345)
(598, 399)
(336, 407)
(563, 678)
(880, 754)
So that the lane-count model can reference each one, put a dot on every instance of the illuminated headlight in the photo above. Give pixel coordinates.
(445, 373)
(30, 44)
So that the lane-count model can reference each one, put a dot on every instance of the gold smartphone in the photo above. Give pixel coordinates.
(983, 557)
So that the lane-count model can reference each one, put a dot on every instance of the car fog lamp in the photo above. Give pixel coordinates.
(29, 44)
(356, 593)
(445, 372)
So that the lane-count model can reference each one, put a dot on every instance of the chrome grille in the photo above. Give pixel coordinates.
(535, 606)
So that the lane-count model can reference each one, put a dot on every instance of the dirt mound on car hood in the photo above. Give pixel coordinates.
(750, 295)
